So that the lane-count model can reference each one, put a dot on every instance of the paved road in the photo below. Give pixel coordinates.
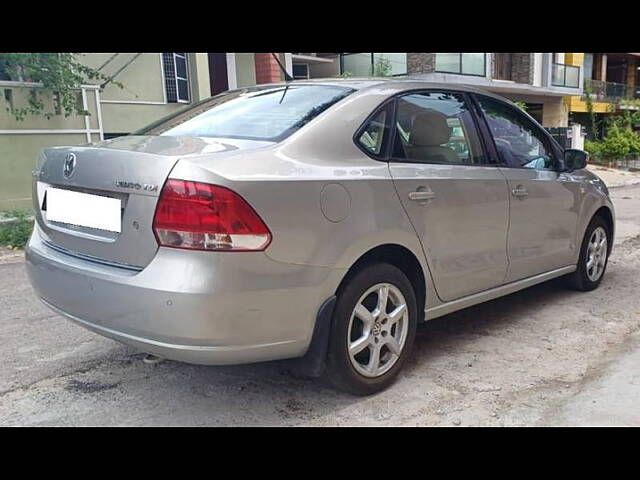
(542, 356)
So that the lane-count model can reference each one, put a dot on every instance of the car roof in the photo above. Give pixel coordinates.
(397, 84)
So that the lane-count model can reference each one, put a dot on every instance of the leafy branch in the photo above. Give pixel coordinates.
(521, 105)
(59, 76)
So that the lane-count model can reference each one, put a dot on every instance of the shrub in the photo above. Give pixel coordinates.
(16, 232)
(594, 148)
(619, 141)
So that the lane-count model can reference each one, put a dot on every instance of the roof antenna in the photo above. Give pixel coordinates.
(287, 77)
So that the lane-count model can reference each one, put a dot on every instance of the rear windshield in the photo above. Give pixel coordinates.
(259, 113)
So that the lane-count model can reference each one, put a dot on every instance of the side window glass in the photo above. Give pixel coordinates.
(436, 127)
(373, 135)
(518, 141)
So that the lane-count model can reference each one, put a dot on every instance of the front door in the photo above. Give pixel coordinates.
(457, 202)
(544, 203)
(218, 78)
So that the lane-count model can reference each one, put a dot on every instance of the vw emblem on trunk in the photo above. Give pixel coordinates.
(69, 165)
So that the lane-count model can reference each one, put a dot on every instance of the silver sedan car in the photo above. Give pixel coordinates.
(320, 221)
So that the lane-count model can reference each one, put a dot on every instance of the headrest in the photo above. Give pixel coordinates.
(429, 129)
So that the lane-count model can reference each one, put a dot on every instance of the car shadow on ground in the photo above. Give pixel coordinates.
(489, 318)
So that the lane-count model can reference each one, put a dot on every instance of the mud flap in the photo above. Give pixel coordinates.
(312, 364)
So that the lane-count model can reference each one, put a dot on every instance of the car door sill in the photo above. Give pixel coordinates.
(464, 302)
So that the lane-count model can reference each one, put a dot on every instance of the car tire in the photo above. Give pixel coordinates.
(387, 333)
(585, 278)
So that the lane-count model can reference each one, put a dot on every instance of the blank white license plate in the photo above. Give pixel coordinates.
(83, 209)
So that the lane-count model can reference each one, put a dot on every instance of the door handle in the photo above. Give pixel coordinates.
(422, 195)
(520, 192)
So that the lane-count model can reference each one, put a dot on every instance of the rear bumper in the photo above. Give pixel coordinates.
(197, 307)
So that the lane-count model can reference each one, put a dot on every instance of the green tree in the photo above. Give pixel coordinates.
(626, 119)
(382, 67)
(60, 76)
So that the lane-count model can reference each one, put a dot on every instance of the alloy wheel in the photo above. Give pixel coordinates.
(596, 254)
(378, 330)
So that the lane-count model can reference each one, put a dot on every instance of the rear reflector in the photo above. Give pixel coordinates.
(200, 216)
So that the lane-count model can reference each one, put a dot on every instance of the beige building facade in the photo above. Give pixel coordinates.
(158, 84)
(154, 85)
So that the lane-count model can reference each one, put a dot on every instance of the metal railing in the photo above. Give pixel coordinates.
(84, 91)
(610, 91)
(565, 75)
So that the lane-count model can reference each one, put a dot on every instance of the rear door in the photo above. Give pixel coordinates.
(457, 201)
(544, 202)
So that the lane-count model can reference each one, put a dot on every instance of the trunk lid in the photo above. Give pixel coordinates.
(132, 169)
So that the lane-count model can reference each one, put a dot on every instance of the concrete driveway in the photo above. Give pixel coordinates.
(542, 356)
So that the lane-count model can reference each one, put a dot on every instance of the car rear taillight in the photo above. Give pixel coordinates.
(201, 216)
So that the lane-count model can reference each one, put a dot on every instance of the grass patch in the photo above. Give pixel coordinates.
(15, 232)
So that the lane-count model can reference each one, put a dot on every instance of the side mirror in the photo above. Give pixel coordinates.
(575, 159)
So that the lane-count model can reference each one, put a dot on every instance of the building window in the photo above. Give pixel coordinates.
(300, 71)
(462, 63)
(176, 77)
(373, 64)
(565, 75)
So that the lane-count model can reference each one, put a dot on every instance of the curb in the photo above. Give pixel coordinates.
(10, 256)
(625, 185)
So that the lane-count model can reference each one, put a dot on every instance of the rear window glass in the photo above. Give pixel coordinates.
(262, 113)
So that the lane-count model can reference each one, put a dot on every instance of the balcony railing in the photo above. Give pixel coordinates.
(610, 91)
(565, 75)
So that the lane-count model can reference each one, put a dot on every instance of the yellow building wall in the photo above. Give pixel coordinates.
(199, 70)
(575, 59)
(142, 79)
(20, 99)
(142, 100)
(576, 104)
(18, 156)
(19, 151)
(245, 69)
